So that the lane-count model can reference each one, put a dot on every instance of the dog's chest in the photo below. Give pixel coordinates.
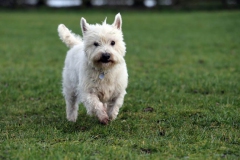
(104, 92)
(104, 88)
(104, 95)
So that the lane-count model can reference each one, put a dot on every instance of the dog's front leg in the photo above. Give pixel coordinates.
(95, 106)
(114, 106)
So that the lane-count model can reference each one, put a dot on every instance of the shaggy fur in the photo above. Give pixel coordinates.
(95, 71)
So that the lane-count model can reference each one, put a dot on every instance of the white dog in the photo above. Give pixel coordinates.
(95, 71)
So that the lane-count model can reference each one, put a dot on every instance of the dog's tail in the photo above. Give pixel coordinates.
(69, 38)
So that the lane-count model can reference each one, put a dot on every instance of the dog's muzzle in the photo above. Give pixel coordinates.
(105, 58)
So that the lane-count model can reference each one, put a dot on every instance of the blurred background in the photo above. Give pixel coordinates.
(157, 4)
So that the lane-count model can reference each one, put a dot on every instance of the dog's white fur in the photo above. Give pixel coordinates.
(101, 87)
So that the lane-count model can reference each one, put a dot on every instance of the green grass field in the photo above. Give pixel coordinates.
(183, 98)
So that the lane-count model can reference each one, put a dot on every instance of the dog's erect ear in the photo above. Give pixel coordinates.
(84, 25)
(105, 21)
(118, 21)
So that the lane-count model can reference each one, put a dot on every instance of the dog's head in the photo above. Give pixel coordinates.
(103, 44)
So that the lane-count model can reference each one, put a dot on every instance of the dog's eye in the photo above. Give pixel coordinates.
(113, 43)
(96, 44)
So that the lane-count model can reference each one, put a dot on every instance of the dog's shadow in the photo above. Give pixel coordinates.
(83, 123)
(55, 117)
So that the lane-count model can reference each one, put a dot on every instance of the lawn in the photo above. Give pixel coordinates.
(183, 98)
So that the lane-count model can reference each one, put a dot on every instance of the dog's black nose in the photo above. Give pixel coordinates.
(105, 57)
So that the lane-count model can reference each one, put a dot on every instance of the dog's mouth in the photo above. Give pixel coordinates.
(105, 58)
(105, 61)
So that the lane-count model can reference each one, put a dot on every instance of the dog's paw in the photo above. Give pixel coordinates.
(103, 118)
(112, 117)
(104, 121)
(72, 118)
(112, 113)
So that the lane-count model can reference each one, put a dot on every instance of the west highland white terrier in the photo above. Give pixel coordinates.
(95, 71)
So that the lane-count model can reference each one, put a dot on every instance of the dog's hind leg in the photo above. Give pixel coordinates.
(70, 93)
(71, 106)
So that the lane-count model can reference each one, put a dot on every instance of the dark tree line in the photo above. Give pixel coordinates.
(136, 4)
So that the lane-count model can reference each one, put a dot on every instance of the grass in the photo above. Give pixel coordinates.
(183, 98)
